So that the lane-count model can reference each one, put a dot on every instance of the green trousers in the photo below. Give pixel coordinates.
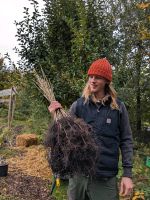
(83, 188)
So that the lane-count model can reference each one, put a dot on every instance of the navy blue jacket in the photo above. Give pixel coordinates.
(112, 130)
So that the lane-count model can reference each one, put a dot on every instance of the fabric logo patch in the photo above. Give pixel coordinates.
(108, 121)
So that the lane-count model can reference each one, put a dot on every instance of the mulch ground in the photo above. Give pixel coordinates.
(23, 187)
(29, 176)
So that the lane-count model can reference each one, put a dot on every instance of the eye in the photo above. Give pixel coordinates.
(98, 77)
(95, 77)
(90, 77)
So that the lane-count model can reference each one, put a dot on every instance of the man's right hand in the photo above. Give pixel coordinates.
(54, 106)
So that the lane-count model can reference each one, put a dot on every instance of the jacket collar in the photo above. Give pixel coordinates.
(105, 101)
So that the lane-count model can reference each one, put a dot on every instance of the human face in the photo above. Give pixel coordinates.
(97, 83)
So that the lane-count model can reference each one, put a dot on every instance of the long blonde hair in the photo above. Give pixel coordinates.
(109, 90)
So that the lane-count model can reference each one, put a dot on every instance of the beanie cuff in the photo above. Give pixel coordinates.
(100, 73)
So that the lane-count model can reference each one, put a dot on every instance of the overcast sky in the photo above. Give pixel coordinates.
(11, 10)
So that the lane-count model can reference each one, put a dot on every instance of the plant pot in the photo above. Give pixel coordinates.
(3, 170)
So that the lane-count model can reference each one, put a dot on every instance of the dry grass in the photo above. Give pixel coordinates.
(26, 140)
(45, 86)
(33, 162)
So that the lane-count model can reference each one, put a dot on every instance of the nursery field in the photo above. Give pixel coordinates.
(30, 178)
(97, 50)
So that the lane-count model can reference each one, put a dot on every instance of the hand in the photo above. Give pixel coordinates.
(54, 106)
(126, 186)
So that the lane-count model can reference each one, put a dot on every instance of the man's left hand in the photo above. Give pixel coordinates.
(126, 186)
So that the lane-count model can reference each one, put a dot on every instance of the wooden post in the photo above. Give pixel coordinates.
(13, 103)
(12, 98)
(10, 109)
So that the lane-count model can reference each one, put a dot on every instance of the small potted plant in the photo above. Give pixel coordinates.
(3, 167)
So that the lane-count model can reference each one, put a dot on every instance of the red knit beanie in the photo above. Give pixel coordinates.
(101, 67)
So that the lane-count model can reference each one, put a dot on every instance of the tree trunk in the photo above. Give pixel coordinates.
(138, 110)
(138, 90)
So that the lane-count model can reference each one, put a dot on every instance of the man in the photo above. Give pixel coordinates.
(100, 107)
